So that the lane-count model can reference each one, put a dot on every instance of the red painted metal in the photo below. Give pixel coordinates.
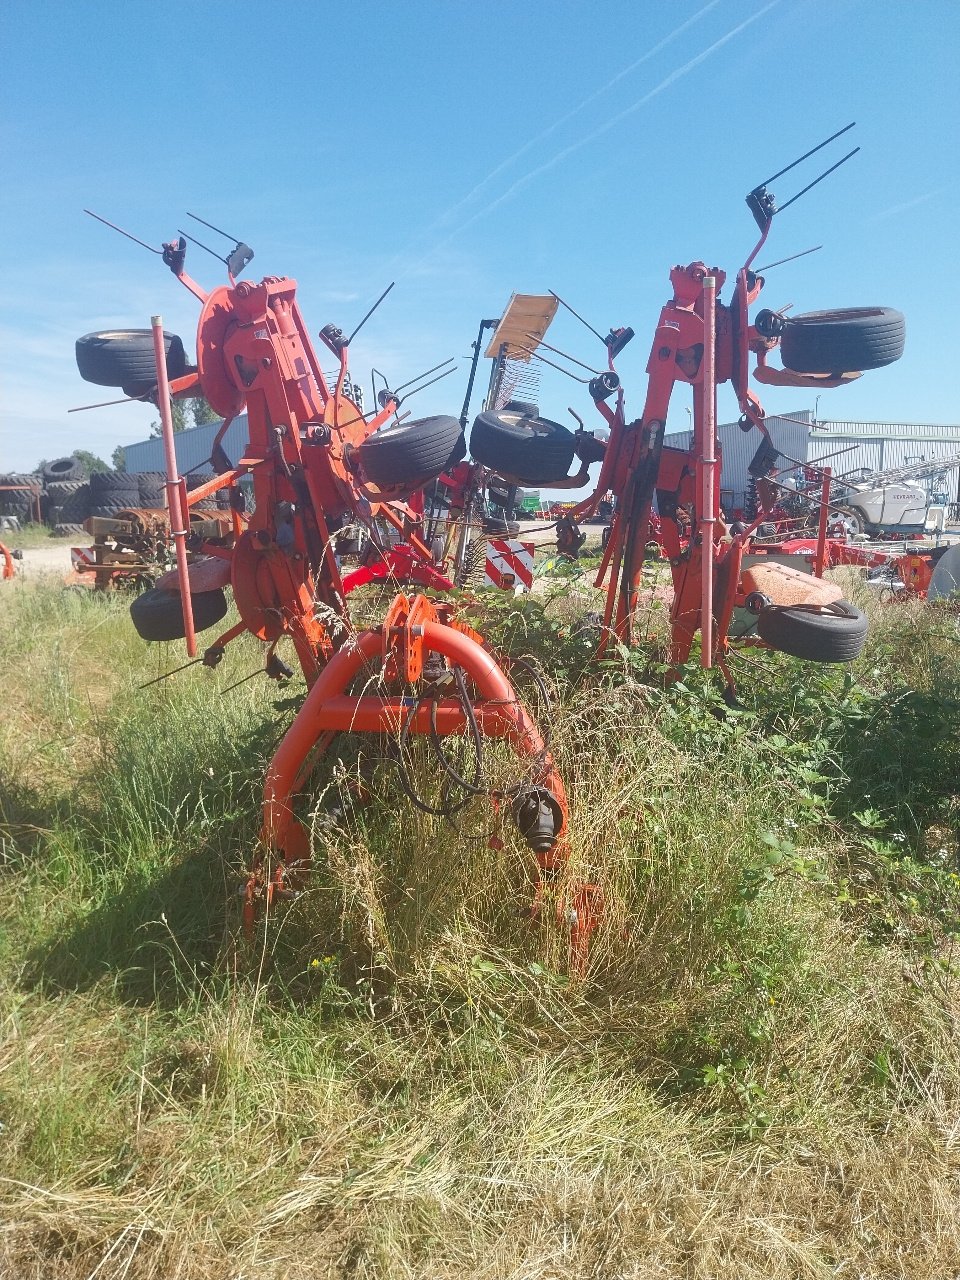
(176, 489)
(8, 570)
(302, 459)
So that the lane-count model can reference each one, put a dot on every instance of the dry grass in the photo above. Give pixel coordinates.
(758, 1078)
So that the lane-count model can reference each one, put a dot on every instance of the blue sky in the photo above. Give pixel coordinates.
(469, 151)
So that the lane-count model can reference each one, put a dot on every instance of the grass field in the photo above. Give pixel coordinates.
(759, 1076)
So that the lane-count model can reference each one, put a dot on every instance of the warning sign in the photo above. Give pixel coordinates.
(509, 565)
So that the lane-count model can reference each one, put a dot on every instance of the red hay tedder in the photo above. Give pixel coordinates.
(318, 463)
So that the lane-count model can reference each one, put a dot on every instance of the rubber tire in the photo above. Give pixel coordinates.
(68, 530)
(157, 615)
(844, 341)
(57, 490)
(75, 507)
(401, 453)
(853, 516)
(499, 528)
(63, 469)
(818, 637)
(109, 481)
(17, 478)
(526, 407)
(125, 358)
(534, 451)
(109, 505)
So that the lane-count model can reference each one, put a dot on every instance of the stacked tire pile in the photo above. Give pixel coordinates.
(17, 495)
(66, 501)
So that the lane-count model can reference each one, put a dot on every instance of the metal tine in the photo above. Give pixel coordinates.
(806, 155)
(578, 316)
(411, 381)
(430, 383)
(812, 184)
(536, 355)
(370, 312)
(167, 674)
(114, 227)
(557, 351)
(793, 257)
(235, 239)
(80, 408)
(181, 232)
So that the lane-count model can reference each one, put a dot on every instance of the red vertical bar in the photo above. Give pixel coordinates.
(707, 463)
(178, 512)
(821, 561)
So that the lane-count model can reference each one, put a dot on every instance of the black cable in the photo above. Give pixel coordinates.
(447, 810)
(467, 706)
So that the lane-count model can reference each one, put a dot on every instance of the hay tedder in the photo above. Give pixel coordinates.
(701, 342)
(317, 463)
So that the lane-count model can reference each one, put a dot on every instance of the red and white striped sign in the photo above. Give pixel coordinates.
(82, 558)
(509, 565)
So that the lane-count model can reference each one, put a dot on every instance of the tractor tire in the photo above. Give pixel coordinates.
(125, 358)
(57, 490)
(836, 633)
(157, 615)
(844, 341)
(63, 469)
(68, 530)
(526, 407)
(54, 516)
(102, 482)
(406, 452)
(531, 450)
(75, 507)
(18, 478)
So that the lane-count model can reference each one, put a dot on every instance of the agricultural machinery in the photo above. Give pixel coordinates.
(702, 343)
(317, 463)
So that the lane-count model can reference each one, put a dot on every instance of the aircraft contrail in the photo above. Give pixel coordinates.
(562, 120)
(604, 128)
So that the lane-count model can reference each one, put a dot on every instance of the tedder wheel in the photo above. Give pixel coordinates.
(526, 407)
(842, 341)
(158, 615)
(125, 358)
(529, 449)
(404, 452)
(834, 633)
(500, 527)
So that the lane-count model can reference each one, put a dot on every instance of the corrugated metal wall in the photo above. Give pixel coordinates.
(193, 448)
(878, 446)
(789, 434)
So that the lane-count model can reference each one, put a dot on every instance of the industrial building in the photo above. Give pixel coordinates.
(846, 447)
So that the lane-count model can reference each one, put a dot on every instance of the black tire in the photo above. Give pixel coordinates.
(17, 478)
(406, 452)
(108, 511)
(854, 521)
(124, 358)
(55, 516)
(157, 615)
(842, 341)
(57, 490)
(836, 633)
(68, 530)
(75, 507)
(63, 469)
(526, 407)
(16, 503)
(152, 486)
(102, 482)
(497, 527)
(152, 499)
(530, 450)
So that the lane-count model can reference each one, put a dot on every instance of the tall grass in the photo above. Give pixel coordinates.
(758, 1075)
